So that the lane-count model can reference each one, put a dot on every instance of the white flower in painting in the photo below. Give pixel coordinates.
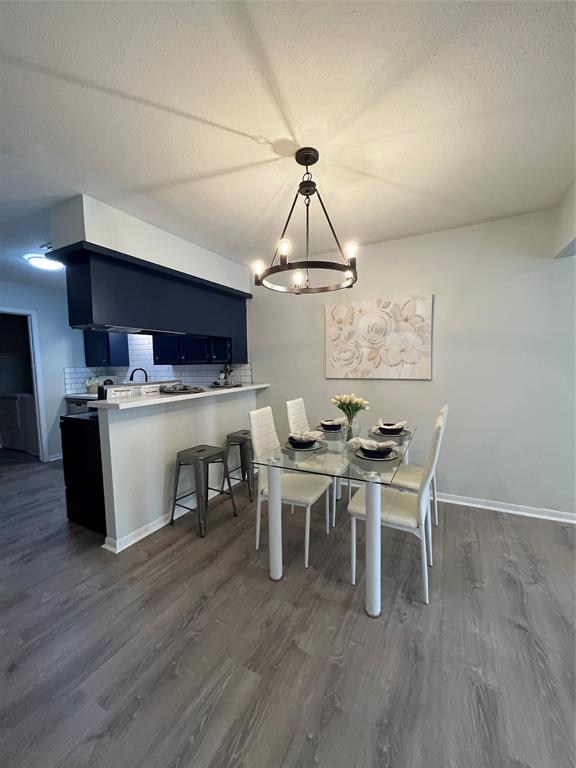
(403, 346)
(374, 327)
(346, 356)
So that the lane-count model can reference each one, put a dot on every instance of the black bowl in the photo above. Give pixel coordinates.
(387, 430)
(331, 427)
(378, 453)
(301, 443)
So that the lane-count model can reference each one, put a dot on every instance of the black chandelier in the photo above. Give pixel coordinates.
(301, 280)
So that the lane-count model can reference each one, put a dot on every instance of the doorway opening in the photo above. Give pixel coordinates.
(19, 422)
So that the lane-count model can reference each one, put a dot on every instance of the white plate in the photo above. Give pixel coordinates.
(390, 457)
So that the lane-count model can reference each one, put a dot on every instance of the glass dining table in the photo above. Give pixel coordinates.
(338, 459)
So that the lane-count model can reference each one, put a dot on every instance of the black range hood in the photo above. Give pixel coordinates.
(111, 291)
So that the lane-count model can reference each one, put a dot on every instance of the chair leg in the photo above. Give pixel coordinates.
(327, 509)
(352, 550)
(291, 509)
(227, 476)
(251, 476)
(247, 461)
(334, 494)
(200, 469)
(349, 490)
(338, 488)
(429, 537)
(435, 499)
(424, 564)
(307, 537)
(176, 478)
(258, 515)
(225, 463)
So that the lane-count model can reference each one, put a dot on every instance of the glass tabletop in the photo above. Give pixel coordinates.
(335, 457)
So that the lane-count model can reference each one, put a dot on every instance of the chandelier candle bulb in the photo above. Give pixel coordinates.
(258, 267)
(351, 251)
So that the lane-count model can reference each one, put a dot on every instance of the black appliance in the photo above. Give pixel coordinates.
(83, 471)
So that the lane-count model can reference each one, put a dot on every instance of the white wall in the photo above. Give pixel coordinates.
(60, 346)
(503, 356)
(96, 222)
(564, 235)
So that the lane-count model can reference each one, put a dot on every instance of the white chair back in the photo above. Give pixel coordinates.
(263, 432)
(430, 465)
(297, 419)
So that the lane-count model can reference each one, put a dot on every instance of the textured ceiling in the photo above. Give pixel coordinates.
(427, 115)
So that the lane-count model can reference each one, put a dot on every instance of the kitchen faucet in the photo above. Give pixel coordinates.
(138, 369)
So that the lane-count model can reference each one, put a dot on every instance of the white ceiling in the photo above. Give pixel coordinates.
(427, 115)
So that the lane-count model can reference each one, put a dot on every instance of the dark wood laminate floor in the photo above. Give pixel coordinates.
(181, 652)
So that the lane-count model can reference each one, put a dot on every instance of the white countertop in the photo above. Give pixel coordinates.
(141, 402)
(81, 396)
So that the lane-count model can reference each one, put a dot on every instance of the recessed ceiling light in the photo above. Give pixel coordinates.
(40, 261)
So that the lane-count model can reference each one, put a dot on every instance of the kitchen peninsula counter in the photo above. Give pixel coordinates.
(161, 399)
(139, 441)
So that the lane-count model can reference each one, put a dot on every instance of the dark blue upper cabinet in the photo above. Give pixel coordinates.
(166, 350)
(220, 350)
(105, 349)
(191, 350)
(107, 288)
(194, 349)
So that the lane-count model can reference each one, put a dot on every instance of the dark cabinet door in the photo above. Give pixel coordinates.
(105, 349)
(166, 350)
(118, 349)
(219, 350)
(194, 349)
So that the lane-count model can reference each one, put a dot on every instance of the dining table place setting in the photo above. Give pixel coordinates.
(373, 450)
(390, 428)
(307, 440)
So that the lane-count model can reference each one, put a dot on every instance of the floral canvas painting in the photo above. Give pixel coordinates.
(380, 339)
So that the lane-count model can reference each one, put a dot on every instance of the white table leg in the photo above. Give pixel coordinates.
(275, 522)
(373, 553)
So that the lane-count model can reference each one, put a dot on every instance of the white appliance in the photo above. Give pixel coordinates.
(18, 429)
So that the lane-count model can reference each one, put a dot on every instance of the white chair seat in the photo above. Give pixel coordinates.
(409, 477)
(397, 508)
(299, 488)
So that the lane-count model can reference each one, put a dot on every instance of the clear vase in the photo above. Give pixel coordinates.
(350, 431)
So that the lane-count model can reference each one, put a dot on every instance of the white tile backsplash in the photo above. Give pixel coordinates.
(141, 356)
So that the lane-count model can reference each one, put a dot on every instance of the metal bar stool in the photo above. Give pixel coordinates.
(199, 458)
(241, 438)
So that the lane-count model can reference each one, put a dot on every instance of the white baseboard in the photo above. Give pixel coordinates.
(511, 509)
(117, 545)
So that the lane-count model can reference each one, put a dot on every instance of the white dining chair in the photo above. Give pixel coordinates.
(408, 476)
(298, 488)
(298, 422)
(403, 511)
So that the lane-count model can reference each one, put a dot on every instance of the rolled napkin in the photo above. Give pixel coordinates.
(341, 420)
(398, 425)
(371, 445)
(303, 436)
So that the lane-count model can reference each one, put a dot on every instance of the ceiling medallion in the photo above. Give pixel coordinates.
(304, 270)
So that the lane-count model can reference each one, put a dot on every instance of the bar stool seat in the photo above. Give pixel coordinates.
(199, 457)
(242, 439)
